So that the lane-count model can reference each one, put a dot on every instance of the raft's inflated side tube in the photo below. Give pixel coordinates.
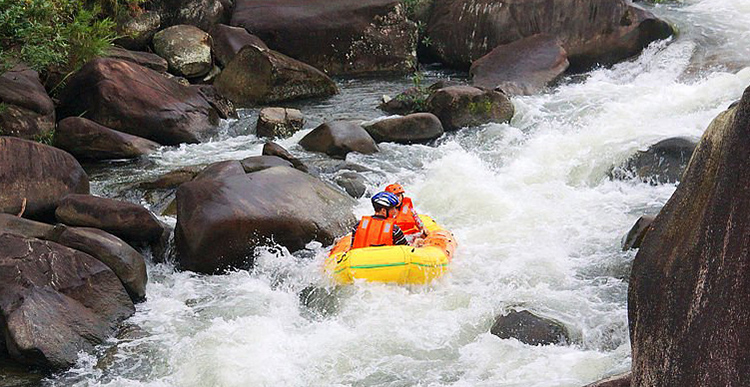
(397, 264)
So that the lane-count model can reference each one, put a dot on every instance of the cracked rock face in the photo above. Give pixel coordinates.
(335, 36)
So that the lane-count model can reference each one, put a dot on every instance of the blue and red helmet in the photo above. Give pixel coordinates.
(384, 200)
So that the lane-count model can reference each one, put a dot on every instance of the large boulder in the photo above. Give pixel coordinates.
(145, 59)
(38, 174)
(12, 224)
(591, 31)
(529, 328)
(412, 129)
(136, 32)
(220, 222)
(220, 170)
(136, 100)
(661, 163)
(203, 14)
(129, 221)
(187, 49)
(336, 36)
(123, 260)
(279, 122)
(337, 138)
(228, 41)
(257, 75)
(462, 106)
(25, 108)
(522, 67)
(85, 139)
(55, 302)
(688, 295)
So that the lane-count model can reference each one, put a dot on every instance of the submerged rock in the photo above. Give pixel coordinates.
(636, 234)
(26, 110)
(530, 329)
(85, 139)
(256, 75)
(336, 36)
(39, 174)
(688, 293)
(136, 100)
(220, 222)
(662, 163)
(523, 67)
(591, 31)
(462, 106)
(337, 138)
(55, 302)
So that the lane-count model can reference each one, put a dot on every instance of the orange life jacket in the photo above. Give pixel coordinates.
(373, 232)
(406, 219)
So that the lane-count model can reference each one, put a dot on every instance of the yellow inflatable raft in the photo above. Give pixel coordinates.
(417, 264)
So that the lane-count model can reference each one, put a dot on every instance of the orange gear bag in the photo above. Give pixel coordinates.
(373, 232)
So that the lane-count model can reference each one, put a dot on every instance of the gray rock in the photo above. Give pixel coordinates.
(85, 139)
(415, 128)
(136, 32)
(261, 76)
(337, 138)
(353, 183)
(530, 329)
(203, 14)
(279, 122)
(462, 106)
(220, 222)
(187, 49)
(661, 163)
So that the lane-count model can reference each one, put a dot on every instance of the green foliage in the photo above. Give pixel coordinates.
(483, 107)
(59, 34)
(46, 138)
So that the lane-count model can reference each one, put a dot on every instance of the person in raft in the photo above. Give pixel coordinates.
(406, 218)
(379, 229)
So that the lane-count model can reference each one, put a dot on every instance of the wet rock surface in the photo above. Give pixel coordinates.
(462, 106)
(663, 162)
(337, 138)
(530, 329)
(412, 129)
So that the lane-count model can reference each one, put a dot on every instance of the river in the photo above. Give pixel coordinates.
(538, 222)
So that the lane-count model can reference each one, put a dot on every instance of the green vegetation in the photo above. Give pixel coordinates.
(58, 35)
(483, 107)
(416, 97)
(45, 138)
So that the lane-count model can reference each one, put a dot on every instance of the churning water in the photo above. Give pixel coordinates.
(538, 221)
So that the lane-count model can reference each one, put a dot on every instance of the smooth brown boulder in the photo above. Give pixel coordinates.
(274, 149)
(529, 328)
(259, 163)
(220, 170)
(591, 31)
(220, 222)
(187, 49)
(228, 41)
(38, 173)
(26, 110)
(257, 76)
(335, 36)
(15, 225)
(415, 128)
(55, 302)
(523, 67)
(337, 138)
(85, 139)
(136, 100)
(145, 59)
(688, 295)
(128, 264)
(279, 122)
(129, 221)
(171, 179)
(461, 106)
